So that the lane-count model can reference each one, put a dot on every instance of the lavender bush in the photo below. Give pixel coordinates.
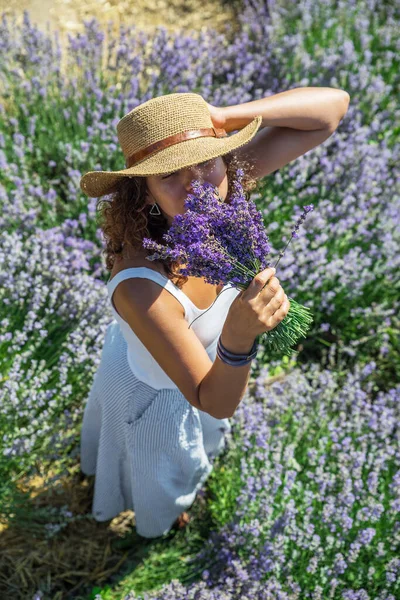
(313, 507)
(53, 320)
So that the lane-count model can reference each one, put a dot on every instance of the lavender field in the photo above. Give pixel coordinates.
(305, 501)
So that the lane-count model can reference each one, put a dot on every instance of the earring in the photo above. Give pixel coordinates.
(155, 213)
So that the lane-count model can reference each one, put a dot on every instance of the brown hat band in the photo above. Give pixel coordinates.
(174, 139)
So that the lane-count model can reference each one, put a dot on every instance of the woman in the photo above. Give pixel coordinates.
(160, 402)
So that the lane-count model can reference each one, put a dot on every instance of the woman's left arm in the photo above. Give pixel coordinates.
(307, 109)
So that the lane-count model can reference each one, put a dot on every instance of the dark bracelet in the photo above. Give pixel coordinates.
(236, 360)
(233, 355)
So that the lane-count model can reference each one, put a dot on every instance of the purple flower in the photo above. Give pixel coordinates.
(228, 243)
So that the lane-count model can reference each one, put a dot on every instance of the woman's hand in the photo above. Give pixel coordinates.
(217, 116)
(257, 309)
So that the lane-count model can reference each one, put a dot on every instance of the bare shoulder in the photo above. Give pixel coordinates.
(148, 298)
(158, 320)
(147, 295)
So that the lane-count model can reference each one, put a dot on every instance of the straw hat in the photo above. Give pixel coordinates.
(166, 134)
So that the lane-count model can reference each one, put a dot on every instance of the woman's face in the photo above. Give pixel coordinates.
(170, 191)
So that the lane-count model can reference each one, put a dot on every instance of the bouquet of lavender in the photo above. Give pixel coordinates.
(227, 243)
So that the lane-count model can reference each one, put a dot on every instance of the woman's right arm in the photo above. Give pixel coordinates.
(157, 319)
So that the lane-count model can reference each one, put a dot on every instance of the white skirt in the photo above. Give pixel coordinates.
(149, 449)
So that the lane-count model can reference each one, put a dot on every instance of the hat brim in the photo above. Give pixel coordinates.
(184, 154)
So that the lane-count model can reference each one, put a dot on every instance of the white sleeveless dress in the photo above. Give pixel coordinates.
(149, 449)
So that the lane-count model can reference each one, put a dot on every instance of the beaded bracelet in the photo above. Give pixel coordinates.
(236, 360)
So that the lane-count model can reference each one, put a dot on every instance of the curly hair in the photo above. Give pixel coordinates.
(124, 217)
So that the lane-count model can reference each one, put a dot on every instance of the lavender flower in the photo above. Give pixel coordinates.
(228, 243)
